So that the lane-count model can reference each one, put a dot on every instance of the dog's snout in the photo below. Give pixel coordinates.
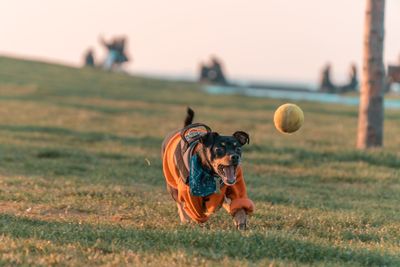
(235, 159)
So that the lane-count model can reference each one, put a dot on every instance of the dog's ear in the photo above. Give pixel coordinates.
(208, 138)
(242, 137)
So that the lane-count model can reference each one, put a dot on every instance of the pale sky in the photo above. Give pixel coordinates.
(284, 40)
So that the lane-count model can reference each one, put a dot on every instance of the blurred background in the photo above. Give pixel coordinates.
(267, 40)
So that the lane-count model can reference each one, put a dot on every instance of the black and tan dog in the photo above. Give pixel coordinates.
(203, 172)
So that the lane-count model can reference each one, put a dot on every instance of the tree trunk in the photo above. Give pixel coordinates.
(370, 120)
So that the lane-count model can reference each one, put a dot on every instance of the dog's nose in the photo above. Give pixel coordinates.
(235, 158)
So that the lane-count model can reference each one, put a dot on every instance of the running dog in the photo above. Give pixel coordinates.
(203, 172)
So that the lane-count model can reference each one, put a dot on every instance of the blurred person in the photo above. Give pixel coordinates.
(217, 71)
(213, 72)
(119, 45)
(326, 84)
(203, 72)
(89, 58)
(353, 83)
(116, 53)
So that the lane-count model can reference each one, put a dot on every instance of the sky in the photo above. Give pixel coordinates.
(279, 40)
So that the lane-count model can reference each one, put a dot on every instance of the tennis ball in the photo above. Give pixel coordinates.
(288, 118)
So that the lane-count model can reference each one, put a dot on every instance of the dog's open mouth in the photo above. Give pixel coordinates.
(228, 174)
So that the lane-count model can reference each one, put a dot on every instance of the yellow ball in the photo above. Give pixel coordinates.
(288, 118)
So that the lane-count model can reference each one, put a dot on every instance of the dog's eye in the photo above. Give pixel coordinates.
(238, 150)
(219, 151)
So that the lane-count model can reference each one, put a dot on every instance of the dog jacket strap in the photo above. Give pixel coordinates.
(192, 133)
(183, 158)
(180, 164)
(190, 136)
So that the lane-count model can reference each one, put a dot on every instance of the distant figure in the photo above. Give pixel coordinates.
(326, 84)
(89, 59)
(213, 73)
(217, 71)
(203, 72)
(353, 83)
(119, 46)
(116, 53)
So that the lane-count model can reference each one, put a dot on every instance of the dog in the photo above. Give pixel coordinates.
(203, 172)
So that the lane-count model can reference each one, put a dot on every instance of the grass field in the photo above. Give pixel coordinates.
(81, 181)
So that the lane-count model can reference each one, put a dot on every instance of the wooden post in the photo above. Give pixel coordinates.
(370, 119)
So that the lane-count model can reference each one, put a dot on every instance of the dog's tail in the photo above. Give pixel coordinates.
(189, 116)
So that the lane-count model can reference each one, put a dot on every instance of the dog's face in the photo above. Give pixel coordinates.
(224, 153)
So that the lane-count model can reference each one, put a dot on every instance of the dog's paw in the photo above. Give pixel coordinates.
(241, 226)
(240, 219)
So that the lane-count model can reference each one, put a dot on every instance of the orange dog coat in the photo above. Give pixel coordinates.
(198, 208)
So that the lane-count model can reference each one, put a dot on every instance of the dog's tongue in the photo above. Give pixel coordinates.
(230, 174)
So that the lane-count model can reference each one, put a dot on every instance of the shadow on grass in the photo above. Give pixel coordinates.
(304, 156)
(65, 161)
(94, 167)
(195, 242)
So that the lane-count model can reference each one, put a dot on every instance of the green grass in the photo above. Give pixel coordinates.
(81, 180)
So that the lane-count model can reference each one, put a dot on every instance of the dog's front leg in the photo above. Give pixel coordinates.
(182, 213)
(240, 219)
